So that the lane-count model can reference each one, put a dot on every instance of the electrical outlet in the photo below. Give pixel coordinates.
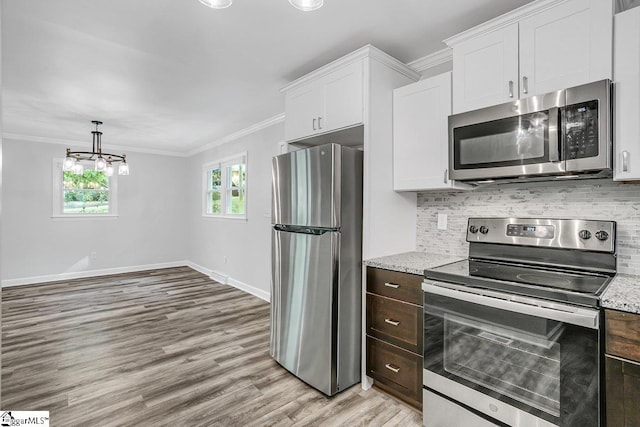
(225, 259)
(93, 256)
(442, 221)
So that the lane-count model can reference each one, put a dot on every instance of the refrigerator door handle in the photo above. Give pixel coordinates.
(316, 231)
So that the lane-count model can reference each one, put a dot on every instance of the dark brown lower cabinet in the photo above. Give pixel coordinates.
(394, 333)
(397, 371)
(623, 392)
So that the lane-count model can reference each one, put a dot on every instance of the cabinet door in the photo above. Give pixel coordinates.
(342, 94)
(486, 70)
(302, 109)
(626, 158)
(420, 135)
(566, 45)
(622, 392)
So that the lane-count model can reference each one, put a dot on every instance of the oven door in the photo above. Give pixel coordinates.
(511, 359)
(509, 140)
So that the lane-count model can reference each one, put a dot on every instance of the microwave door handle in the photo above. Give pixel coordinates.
(554, 135)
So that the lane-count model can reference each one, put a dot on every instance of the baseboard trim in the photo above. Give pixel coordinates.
(226, 280)
(263, 295)
(199, 268)
(215, 275)
(89, 273)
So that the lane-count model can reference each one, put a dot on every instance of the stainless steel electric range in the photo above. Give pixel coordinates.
(512, 335)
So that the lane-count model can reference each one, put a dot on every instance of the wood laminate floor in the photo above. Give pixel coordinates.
(161, 347)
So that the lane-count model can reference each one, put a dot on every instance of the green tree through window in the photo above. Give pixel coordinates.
(85, 194)
(225, 187)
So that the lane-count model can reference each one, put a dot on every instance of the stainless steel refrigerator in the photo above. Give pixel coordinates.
(316, 267)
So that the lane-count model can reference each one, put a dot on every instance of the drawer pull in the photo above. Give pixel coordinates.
(391, 285)
(392, 322)
(392, 368)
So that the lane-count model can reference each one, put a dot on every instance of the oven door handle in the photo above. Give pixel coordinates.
(588, 318)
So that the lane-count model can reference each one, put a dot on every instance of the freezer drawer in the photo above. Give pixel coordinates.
(303, 307)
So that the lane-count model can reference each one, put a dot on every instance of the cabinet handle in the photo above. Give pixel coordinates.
(391, 285)
(625, 161)
(319, 123)
(525, 84)
(314, 123)
(510, 88)
(392, 368)
(392, 322)
(445, 175)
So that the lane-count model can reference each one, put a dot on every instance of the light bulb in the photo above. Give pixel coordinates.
(217, 4)
(306, 5)
(78, 168)
(108, 170)
(68, 163)
(123, 169)
(100, 164)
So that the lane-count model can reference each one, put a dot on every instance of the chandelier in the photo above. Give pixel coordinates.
(305, 5)
(101, 161)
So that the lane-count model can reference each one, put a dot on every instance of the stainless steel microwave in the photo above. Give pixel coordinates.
(562, 134)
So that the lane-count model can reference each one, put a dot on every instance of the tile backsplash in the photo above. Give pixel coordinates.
(590, 199)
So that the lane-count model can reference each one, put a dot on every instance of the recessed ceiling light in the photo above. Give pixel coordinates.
(217, 4)
(306, 5)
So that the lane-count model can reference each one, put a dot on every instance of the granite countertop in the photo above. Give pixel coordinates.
(623, 293)
(411, 262)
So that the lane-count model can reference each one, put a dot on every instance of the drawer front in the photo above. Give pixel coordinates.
(394, 321)
(403, 286)
(395, 370)
(622, 332)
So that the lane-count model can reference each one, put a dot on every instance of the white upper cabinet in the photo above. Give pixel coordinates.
(302, 111)
(544, 46)
(342, 98)
(420, 141)
(567, 45)
(330, 102)
(486, 70)
(626, 69)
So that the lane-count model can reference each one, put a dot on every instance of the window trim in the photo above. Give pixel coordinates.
(58, 194)
(223, 164)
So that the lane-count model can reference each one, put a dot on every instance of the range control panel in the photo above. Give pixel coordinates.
(556, 233)
(530, 230)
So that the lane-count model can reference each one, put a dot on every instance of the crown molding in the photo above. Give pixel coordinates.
(504, 20)
(70, 142)
(432, 60)
(392, 63)
(239, 134)
(367, 51)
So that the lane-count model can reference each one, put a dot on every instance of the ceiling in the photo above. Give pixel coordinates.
(173, 75)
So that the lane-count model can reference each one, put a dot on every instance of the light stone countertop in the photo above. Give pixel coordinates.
(623, 293)
(411, 262)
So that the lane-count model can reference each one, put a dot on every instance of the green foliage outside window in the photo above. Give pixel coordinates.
(237, 176)
(85, 194)
(225, 189)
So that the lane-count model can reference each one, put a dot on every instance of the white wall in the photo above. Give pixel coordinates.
(150, 228)
(245, 244)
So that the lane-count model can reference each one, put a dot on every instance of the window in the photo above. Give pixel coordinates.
(225, 187)
(91, 194)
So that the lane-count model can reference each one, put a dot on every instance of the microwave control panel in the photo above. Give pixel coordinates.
(581, 130)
